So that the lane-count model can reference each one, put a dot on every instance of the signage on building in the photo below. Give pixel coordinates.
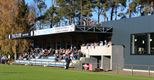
(43, 32)
(17, 35)
(55, 30)
(26, 34)
(69, 28)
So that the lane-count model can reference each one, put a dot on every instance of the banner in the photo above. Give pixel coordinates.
(43, 32)
(55, 30)
(25, 34)
(69, 28)
(17, 35)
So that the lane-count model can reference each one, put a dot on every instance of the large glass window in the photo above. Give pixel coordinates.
(152, 43)
(142, 44)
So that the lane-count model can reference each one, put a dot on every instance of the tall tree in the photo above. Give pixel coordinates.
(52, 15)
(13, 19)
(146, 6)
(66, 9)
(142, 7)
(85, 9)
(114, 4)
(74, 10)
(41, 6)
(101, 6)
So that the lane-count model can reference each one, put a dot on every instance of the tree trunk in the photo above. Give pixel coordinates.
(70, 20)
(105, 17)
(112, 11)
(99, 13)
(130, 13)
(51, 22)
(116, 13)
(80, 12)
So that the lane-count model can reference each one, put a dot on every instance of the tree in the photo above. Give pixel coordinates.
(114, 4)
(142, 7)
(52, 15)
(14, 18)
(66, 10)
(102, 7)
(146, 6)
(74, 11)
(85, 10)
(41, 6)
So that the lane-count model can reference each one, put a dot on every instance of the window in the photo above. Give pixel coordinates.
(142, 44)
(152, 43)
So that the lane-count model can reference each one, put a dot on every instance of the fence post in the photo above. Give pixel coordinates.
(132, 69)
(117, 68)
(149, 70)
(35, 62)
(81, 66)
(63, 64)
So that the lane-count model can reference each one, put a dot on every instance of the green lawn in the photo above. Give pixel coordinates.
(20, 72)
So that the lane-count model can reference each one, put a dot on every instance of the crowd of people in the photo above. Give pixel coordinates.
(59, 54)
(101, 43)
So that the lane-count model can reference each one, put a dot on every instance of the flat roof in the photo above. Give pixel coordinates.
(64, 29)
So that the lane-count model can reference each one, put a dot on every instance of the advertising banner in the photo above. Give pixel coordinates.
(55, 30)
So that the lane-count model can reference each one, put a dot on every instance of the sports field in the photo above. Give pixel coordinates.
(21, 72)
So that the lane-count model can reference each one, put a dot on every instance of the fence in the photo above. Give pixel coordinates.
(129, 69)
(135, 69)
(41, 63)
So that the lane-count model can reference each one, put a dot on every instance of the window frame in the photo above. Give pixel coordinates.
(132, 44)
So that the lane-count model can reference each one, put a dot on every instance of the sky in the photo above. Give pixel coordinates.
(49, 3)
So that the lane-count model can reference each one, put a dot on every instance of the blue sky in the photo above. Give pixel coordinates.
(49, 3)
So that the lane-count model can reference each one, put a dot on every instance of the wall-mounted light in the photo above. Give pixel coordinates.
(150, 40)
(143, 42)
(135, 40)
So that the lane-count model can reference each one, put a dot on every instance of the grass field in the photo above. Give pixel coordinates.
(20, 72)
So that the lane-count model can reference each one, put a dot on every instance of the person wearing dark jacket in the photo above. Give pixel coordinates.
(67, 60)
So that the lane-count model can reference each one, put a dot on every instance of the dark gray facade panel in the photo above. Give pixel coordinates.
(117, 57)
(122, 30)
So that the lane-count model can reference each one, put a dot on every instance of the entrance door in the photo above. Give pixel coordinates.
(97, 61)
(106, 63)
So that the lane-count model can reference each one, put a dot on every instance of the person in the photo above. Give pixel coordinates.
(3, 59)
(0, 58)
(105, 42)
(67, 60)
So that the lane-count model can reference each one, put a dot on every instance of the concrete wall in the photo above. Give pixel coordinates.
(122, 30)
(117, 57)
(97, 50)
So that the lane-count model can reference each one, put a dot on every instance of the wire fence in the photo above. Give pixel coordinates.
(129, 69)
(136, 69)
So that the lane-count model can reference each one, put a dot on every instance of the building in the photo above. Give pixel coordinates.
(132, 41)
(137, 37)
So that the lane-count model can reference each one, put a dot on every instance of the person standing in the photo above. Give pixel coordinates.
(67, 60)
